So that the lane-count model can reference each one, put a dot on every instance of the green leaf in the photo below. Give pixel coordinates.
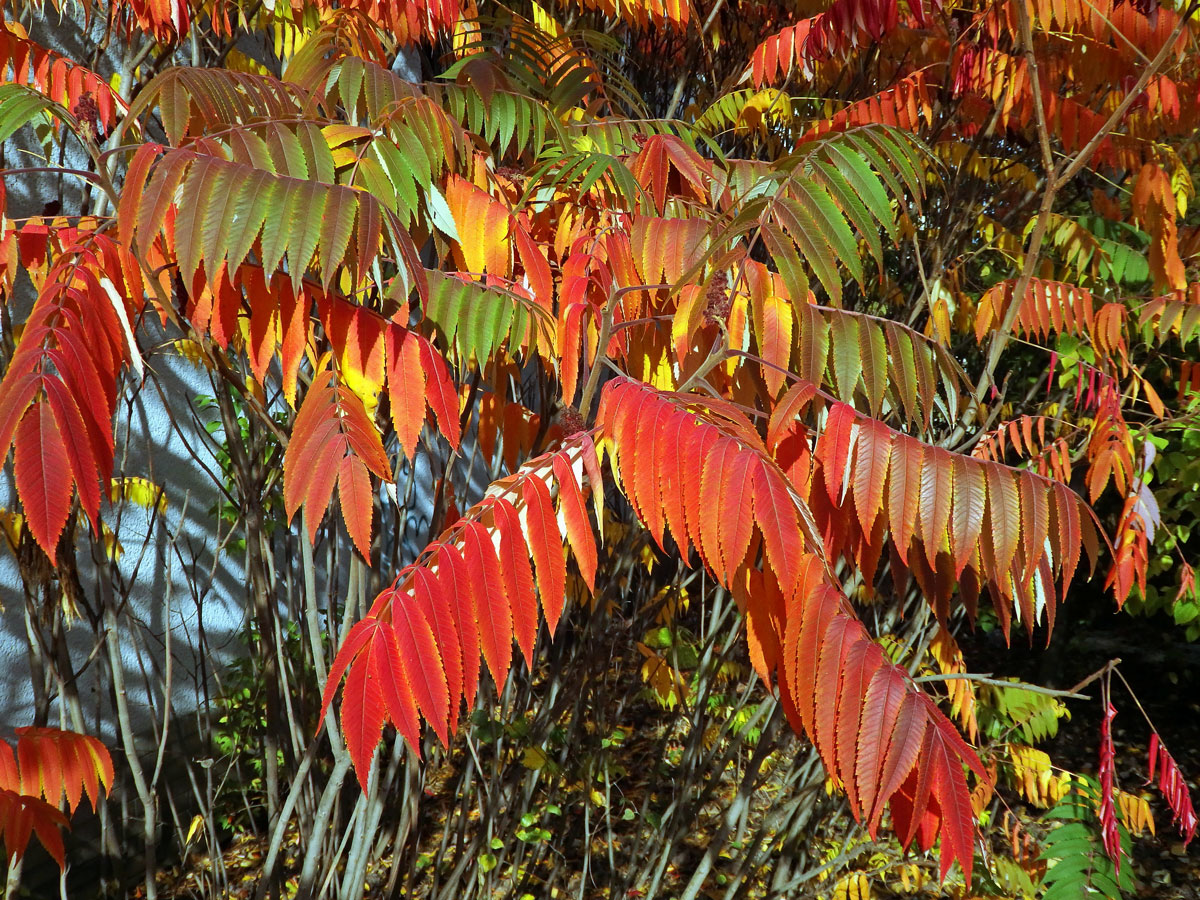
(219, 216)
(275, 229)
(306, 213)
(854, 209)
(255, 197)
(189, 231)
(832, 225)
(865, 184)
(340, 208)
(873, 345)
(402, 176)
(18, 107)
(439, 212)
(317, 153)
(847, 356)
(812, 242)
(287, 152)
(787, 262)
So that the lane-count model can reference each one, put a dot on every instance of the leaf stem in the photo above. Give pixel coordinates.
(1000, 682)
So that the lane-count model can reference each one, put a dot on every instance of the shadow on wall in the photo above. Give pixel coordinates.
(180, 592)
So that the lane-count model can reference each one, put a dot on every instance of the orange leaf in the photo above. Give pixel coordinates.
(870, 470)
(578, 528)
(1004, 507)
(904, 493)
(358, 507)
(406, 386)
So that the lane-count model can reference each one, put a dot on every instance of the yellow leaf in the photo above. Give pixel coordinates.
(192, 352)
(545, 22)
(671, 601)
(1135, 813)
(142, 491)
(534, 758)
(855, 886)
(1033, 776)
(112, 547)
(237, 61)
(664, 681)
(11, 524)
(194, 828)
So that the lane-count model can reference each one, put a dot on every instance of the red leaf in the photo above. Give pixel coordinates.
(361, 433)
(43, 475)
(970, 498)
(881, 708)
(443, 399)
(1004, 507)
(23, 817)
(739, 526)
(518, 576)
(673, 482)
(454, 577)
(937, 490)
(904, 493)
(904, 747)
(695, 445)
(545, 546)
(775, 512)
(1067, 529)
(646, 447)
(421, 662)
(54, 762)
(1174, 789)
(320, 481)
(10, 779)
(16, 393)
(1035, 511)
(786, 411)
(363, 708)
(427, 591)
(315, 425)
(1109, 833)
(356, 638)
(834, 448)
(79, 448)
(574, 513)
(713, 515)
(954, 802)
(809, 614)
(843, 636)
(862, 660)
(490, 601)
